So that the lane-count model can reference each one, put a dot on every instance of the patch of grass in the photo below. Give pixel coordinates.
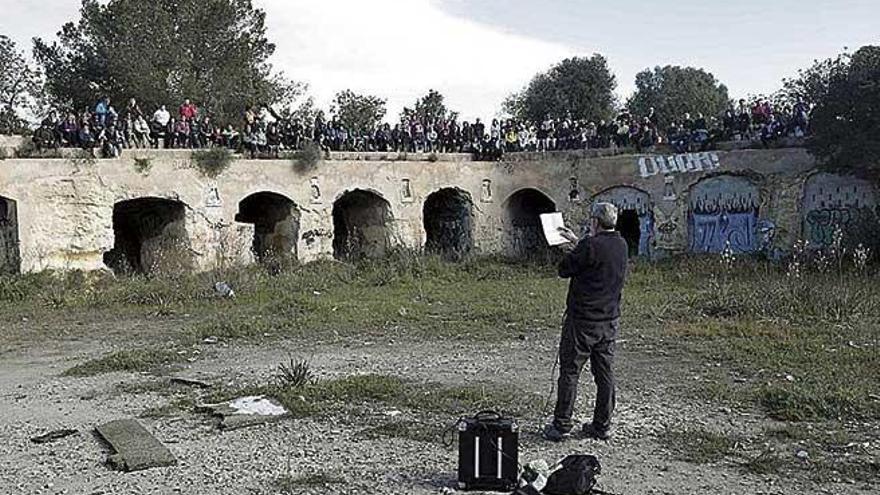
(408, 430)
(213, 161)
(133, 360)
(428, 397)
(754, 320)
(792, 402)
(172, 408)
(767, 462)
(836, 454)
(143, 165)
(698, 446)
(353, 391)
(294, 374)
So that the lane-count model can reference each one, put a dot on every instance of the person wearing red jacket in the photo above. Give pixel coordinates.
(188, 111)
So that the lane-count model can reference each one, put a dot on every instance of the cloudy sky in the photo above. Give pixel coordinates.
(478, 51)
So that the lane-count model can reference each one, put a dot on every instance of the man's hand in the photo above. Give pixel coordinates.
(568, 235)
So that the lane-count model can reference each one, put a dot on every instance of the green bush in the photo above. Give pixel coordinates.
(212, 162)
(307, 159)
(142, 165)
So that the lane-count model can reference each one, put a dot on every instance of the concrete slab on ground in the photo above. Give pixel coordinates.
(134, 447)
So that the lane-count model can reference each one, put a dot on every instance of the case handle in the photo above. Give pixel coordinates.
(487, 414)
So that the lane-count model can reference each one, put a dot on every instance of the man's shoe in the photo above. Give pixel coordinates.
(554, 434)
(591, 431)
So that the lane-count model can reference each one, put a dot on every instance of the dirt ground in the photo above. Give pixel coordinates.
(328, 454)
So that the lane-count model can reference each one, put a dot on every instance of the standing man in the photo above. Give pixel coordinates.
(596, 266)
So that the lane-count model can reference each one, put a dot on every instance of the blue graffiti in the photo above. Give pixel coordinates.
(711, 232)
(646, 227)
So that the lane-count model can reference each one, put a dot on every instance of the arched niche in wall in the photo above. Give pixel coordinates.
(10, 254)
(149, 237)
(635, 216)
(276, 221)
(522, 235)
(448, 217)
(361, 225)
(833, 202)
(723, 211)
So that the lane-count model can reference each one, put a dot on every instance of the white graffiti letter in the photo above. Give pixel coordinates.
(643, 167)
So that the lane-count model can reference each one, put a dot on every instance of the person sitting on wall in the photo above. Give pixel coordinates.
(187, 111)
(231, 138)
(69, 131)
(181, 133)
(159, 127)
(111, 140)
(133, 110)
(140, 132)
(86, 139)
(104, 111)
(48, 135)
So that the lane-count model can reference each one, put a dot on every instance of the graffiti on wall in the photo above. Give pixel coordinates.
(723, 211)
(632, 203)
(684, 163)
(833, 202)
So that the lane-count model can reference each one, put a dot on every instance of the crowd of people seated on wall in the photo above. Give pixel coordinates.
(263, 132)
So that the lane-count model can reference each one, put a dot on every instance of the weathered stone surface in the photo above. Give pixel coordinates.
(64, 208)
(134, 447)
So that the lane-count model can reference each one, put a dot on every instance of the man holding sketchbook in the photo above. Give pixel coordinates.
(596, 267)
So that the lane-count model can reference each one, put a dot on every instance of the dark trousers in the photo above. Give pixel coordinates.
(582, 342)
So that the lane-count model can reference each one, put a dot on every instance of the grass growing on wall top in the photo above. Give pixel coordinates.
(213, 161)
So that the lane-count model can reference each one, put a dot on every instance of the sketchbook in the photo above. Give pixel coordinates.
(551, 222)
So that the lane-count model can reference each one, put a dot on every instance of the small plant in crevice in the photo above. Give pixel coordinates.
(212, 162)
(307, 159)
(433, 157)
(294, 374)
(143, 165)
(86, 159)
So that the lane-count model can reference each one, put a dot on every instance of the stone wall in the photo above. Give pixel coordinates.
(65, 207)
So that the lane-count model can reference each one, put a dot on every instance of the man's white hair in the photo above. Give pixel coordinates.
(606, 214)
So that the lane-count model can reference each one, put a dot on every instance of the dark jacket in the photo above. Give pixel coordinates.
(597, 269)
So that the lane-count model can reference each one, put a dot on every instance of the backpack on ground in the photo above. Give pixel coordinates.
(576, 476)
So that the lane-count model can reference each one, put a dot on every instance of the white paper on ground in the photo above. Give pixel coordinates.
(551, 222)
(257, 405)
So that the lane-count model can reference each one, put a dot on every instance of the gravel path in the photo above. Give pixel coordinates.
(653, 395)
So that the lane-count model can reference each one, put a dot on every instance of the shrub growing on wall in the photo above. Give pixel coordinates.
(143, 165)
(307, 158)
(212, 162)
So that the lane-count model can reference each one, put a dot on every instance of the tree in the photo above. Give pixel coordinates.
(213, 52)
(579, 87)
(673, 91)
(845, 123)
(430, 107)
(358, 113)
(811, 85)
(19, 81)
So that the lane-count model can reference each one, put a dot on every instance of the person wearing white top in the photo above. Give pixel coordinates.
(162, 116)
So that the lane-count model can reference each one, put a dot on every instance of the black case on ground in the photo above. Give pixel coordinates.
(488, 452)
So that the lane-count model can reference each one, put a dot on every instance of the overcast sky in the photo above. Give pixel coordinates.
(478, 51)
